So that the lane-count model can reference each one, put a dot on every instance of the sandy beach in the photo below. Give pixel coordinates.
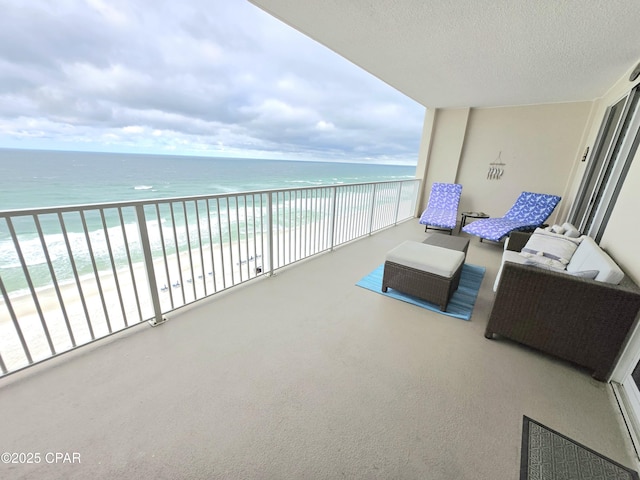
(126, 298)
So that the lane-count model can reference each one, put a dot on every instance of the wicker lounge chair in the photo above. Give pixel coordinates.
(528, 212)
(442, 210)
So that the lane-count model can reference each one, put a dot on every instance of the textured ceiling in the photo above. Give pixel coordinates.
(473, 53)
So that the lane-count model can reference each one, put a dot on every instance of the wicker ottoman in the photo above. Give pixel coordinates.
(425, 271)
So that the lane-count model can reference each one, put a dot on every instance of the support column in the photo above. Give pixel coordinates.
(443, 138)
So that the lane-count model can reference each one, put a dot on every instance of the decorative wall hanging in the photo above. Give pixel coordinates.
(496, 169)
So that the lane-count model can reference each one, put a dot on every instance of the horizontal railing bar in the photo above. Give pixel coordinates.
(152, 201)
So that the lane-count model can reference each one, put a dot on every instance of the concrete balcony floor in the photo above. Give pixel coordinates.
(304, 375)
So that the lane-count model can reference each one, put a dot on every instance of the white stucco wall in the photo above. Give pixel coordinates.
(423, 157)
(539, 145)
(623, 230)
(446, 146)
(542, 147)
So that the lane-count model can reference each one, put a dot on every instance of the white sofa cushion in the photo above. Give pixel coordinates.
(570, 230)
(588, 261)
(559, 229)
(590, 274)
(548, 248)
(566, 229)
(427, 258)
(589, 256)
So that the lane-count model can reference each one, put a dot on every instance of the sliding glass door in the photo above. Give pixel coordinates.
(615, 146)
(585, 200)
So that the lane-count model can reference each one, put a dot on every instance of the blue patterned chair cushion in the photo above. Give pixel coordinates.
(528, 212)
(442, 209)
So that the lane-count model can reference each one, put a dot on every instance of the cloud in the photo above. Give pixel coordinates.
(187, 77)
(325, 126)
(110, 14)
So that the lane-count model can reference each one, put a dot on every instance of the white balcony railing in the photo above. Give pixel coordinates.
(72, 275)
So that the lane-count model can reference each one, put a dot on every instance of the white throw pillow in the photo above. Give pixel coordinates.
(549, 248)
(570, 230)
(573, 233)
(590, 274)
(559, 229)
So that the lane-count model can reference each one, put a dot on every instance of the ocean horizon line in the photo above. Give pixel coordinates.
(45, 178)
(200, 155)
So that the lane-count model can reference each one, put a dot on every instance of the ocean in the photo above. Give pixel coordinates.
(36, 179)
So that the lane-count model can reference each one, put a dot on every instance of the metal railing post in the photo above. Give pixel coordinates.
(148, 263)
(373, 208)
(270, 239)
(400, 185)
(332, 232)
(16, 324)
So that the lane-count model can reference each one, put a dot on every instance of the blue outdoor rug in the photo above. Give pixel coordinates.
(461, 303)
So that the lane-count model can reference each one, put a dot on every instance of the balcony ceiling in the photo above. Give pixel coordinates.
(471, 53)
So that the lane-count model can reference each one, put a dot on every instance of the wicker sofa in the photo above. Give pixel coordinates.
(580, 320)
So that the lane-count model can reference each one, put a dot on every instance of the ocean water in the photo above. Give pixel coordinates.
(36, 179)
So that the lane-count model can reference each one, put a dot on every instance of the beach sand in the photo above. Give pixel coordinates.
(134, 304)
(196, 277)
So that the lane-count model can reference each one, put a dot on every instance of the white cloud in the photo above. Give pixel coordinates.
(134, 129)
(275, 110)
(195, 76)
(324, 126)
(97, 80)
(110, 13)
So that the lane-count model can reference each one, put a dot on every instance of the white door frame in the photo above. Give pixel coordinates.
(623, 384)
(618, 164)
(628, 397)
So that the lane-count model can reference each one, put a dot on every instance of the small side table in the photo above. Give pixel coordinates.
(466, 215)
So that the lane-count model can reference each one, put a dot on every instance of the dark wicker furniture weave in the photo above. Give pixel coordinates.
(576, 319)
(424, 285)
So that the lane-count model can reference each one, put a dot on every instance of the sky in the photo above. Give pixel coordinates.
(192, 77)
